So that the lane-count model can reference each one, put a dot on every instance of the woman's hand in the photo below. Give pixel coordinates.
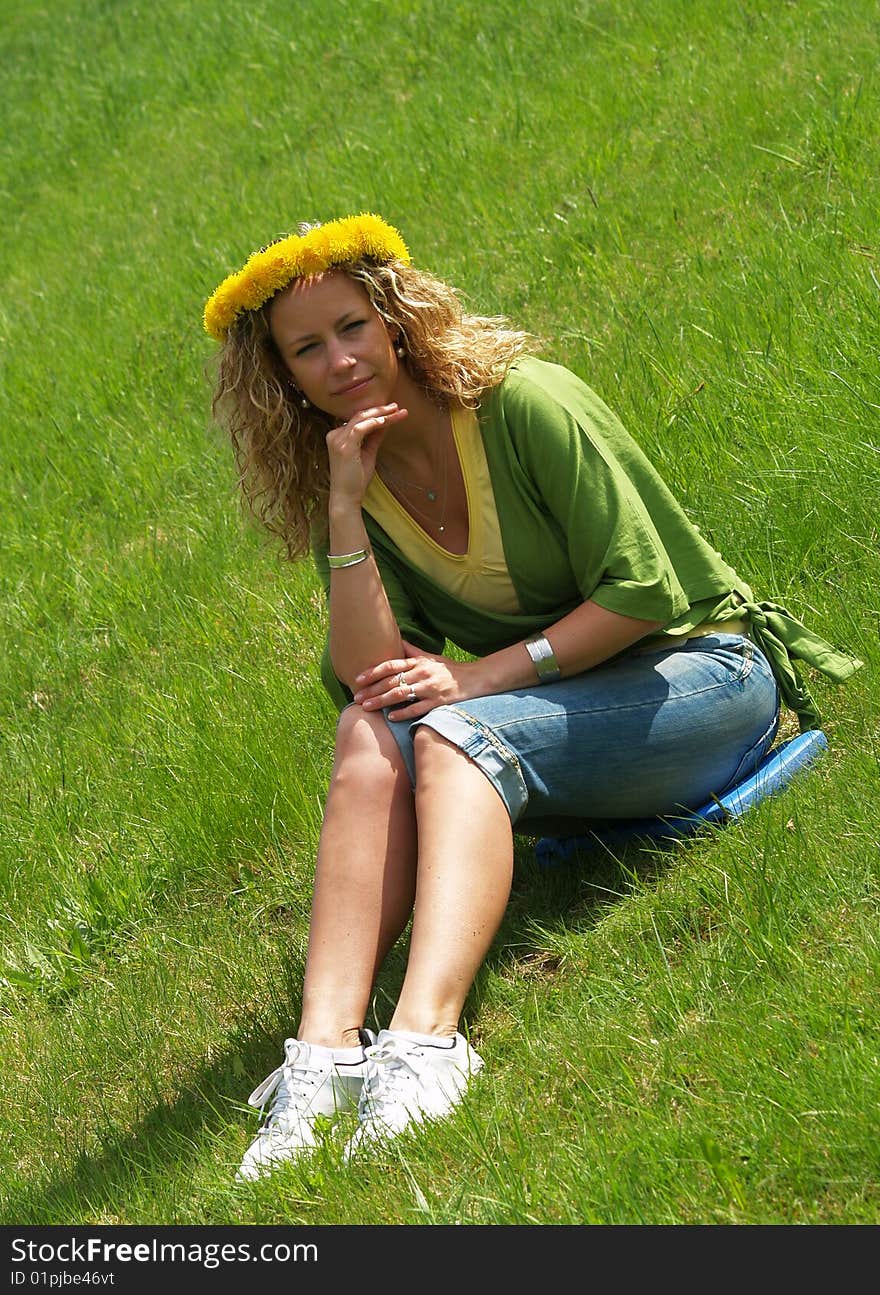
(352, 451)
(436, 681)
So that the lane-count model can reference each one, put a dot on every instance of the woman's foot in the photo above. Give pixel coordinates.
(312, 1081)
(410, 1078)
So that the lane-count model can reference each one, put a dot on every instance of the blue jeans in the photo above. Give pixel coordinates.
(651, 732)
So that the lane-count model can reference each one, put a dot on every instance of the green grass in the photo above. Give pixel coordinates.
(681, 198)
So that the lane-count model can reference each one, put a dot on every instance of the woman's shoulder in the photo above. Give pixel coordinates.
(530, 376)
(536, 392)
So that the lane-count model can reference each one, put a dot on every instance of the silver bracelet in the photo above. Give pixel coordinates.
(541, 651)
(337, 560)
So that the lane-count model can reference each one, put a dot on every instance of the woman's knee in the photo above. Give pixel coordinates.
(427, 743)
(435, 754)
(364, 747)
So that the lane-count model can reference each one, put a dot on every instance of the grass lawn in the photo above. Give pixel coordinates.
(680, 197)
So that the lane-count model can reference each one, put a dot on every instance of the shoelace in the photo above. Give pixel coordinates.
(291, 1083)
(390, 1066)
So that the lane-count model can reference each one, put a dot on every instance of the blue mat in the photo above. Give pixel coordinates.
(774, 772)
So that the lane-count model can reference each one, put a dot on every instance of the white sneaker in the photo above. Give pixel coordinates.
(309, 1083)
(409, 1080)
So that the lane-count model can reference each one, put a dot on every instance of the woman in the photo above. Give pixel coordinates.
(450, 487)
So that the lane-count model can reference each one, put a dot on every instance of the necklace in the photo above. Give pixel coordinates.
(428, 491)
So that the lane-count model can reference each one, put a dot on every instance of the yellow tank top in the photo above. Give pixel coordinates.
(479, 576)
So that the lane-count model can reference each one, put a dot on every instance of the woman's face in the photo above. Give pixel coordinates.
(334, 343)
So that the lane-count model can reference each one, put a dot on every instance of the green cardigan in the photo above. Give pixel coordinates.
(584, 515)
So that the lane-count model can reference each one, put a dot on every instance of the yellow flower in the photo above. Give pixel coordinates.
(339, 242)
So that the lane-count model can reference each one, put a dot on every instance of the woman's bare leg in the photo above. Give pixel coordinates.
(465, 869)
(364, 879)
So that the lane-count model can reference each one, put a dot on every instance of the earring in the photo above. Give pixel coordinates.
(303, 402)
(400, 349)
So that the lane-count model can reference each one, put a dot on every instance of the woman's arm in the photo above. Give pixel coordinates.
(581, 640)
(363, 628)
(362, 624)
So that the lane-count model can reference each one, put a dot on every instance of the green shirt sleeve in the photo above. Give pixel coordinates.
(631, 547)
(566, 444)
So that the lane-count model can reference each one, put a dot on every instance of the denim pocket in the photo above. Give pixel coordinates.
(734, 650)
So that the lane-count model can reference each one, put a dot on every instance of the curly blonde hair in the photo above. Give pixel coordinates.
(280, 447)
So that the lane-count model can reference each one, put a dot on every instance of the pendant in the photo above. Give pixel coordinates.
(432, 495)
(441, 529)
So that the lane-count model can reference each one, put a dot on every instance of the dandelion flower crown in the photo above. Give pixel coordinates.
(339, 242)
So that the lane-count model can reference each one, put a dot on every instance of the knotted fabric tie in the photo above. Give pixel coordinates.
(783, 640)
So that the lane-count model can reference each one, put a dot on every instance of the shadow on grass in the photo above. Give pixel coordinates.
(194, 1126)
(576, 891)
(580, 887)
